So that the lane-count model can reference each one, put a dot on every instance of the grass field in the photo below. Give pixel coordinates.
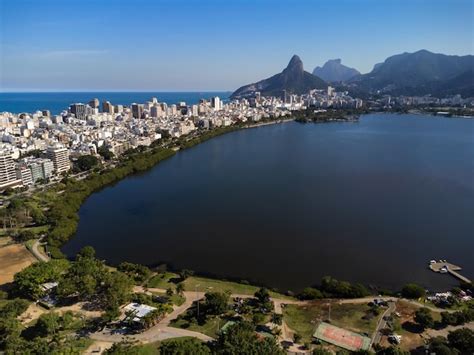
(304, 319)
(162, 280)
(210, 328)
(204, 284)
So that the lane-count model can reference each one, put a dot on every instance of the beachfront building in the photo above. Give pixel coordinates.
(8, 176)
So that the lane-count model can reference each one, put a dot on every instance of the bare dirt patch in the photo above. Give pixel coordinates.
(32, 313)
(13, 258)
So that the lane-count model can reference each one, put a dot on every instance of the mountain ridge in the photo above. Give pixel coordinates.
(293, 79)
(420, 73)
(334, 71)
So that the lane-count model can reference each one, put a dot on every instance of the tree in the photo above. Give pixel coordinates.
(86, 162)
(48, 324)
(321, 351)
(264, 301)
(14, 308)
(343, 289)
(240, 338)
(413, 291)
(139, 273)
(27, 283)
(115, 289)
(87, 252)
(440, 346)
(184, 274)
(180, 288)
(258, 318)
(277, 318)
(463, 340)
(169, 292)
(216, 302)
(310, 293)
(105, 153)
(424, 318)
(186, 346)
(297, 338)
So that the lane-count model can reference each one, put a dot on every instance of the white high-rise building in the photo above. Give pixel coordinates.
(216, 103)
(60, 158)
(8, 176)
(24, 174)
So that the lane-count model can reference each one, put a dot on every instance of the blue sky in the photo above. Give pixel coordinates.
(177, 45)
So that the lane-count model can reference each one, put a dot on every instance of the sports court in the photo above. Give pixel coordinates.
(340, 337)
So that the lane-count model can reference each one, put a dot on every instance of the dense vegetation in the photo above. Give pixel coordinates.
(330, 287)
(310, 115)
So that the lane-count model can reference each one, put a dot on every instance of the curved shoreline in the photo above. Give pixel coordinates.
(64, 214)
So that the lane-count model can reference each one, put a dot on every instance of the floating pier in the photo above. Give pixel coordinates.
(443, 267)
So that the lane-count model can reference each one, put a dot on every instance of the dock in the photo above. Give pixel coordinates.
(442, 266)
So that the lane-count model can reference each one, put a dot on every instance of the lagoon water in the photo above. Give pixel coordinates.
(284, 205)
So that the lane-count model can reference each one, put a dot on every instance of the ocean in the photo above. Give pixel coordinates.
(56, 102)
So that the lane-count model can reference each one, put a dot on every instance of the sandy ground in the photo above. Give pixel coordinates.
(13, 258)
(98, 347)
(32, 312)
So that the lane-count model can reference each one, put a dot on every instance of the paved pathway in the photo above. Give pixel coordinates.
(37, 253)
(382, 323)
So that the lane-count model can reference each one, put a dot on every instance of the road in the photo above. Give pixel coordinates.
(163, 331)
(382, 323)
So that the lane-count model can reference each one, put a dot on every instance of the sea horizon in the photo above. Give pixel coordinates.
(56, 102)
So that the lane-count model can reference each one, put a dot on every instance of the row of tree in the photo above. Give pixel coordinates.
(62, 215)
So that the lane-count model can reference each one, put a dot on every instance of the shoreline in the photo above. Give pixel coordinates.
(183, 145)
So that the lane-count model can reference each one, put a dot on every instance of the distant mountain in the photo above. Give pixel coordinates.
(293, 79)
(334, 71)
(420, 73)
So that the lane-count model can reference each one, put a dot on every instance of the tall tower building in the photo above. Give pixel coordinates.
(79, 110)
(137, 110)
(60, 158)
(8, 177)
(107, 107)
(216, 103)
(94, 103)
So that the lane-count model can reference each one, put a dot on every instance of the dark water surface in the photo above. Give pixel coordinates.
(286, 204)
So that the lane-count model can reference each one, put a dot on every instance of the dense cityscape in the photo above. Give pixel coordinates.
(38, 147)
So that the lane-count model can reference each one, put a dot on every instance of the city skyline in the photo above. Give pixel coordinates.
(178, 46)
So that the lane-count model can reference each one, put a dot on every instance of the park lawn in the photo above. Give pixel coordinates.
(210, 328)
(162, 280)
(176, 299)
(350, 316)
(203, 284)
(303, 319)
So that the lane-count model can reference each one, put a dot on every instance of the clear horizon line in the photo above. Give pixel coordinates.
(105, 91)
